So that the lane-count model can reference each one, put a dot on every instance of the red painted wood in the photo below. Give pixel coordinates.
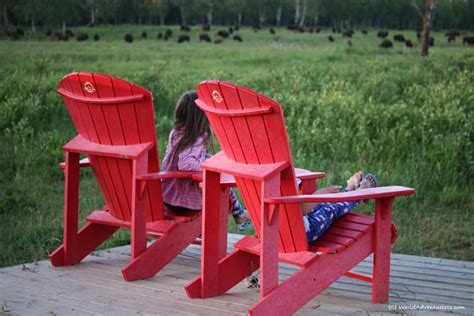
(269, 238)
(211, 234)
(105, 218)
(254, 141)
(81, 145)
(381, 269)
(77, 98)
(71, 207)
(234, 113)
(232, 270)
(308, 282)
(358, 276)
(116, 129)
(162, 251)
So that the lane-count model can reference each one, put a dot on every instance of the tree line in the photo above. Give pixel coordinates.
(399, 14)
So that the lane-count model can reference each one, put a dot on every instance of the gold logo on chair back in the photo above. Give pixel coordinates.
(88, 87)
(216, 96)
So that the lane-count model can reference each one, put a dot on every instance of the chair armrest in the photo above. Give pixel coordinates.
(364, 194)
(83, 146)
(82, 163)
(304, 174)
(169, 175)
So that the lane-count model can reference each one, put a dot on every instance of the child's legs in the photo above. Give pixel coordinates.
(323, 215)
(234, 206)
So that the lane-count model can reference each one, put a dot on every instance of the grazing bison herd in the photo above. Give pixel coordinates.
(224, 34)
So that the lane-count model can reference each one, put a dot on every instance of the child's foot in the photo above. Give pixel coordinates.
(330, 189)
(354, 181)
(242, 220)
(369, 181)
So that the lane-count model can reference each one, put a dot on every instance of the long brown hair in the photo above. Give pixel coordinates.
(192, 122)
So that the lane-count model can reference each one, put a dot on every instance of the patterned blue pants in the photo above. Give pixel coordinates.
(322, 216)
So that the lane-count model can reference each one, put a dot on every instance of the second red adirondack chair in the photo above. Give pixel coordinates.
(115, 123)
(255, 150)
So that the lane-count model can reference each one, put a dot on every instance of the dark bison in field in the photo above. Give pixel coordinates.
(183, 38)
(452, 34)
(223, 34)
(185, 28)
(431, 41)
(237, 38)
(144, 34)
(206, 27)
(408, 44)
(382, 34)
(128, 38)
(330, 38)
(399, 38)
(204, 37)
(272, 31)
(386, 44)
(364, 32)
(69, 33)
(159, 36)
(96, 37)
(451, 39)
(468, 40)
(82, 37)
(347, 34)
(318, 30)
(231, 30)
(168, 34)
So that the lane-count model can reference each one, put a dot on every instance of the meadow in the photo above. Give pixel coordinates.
(406, 119)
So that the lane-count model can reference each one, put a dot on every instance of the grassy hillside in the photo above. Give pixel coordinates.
(405, 119)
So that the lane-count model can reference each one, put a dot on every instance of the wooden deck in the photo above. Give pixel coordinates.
(96, 287)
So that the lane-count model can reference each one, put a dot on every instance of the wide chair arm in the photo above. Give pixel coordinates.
(169, 175)
(82, 163)
(364, 194)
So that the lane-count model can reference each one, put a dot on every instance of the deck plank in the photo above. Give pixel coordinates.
(96, 287)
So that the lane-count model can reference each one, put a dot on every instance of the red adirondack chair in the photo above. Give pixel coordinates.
(255, 150)
(116, 130)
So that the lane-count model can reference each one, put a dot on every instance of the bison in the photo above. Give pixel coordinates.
(144, 34)
(451, 39)
(128, 38)
(204, 37)
(159, 36)
(206, 27)
(408, 44)
(237, 38)
(330, 38)
(81, 37)
(183, 38)
(386, 44)
(468, 40)
(96, 37)
(272, 31)
(347, 34)
(223, 34)
(399, 38)
(185, 28)
(382, 34)
(231, 30)
(364, 32)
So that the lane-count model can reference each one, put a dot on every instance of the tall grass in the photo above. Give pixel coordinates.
(405, 119)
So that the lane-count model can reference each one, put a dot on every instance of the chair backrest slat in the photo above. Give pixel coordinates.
(89, 98)
(256, 138)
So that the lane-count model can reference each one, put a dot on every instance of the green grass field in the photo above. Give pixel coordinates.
(405, 119)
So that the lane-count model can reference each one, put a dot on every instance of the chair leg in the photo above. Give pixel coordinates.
(231, 270)
(382, 237)
(162, 251)
(88, 239)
